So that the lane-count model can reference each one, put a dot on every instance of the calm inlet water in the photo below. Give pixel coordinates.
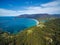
(14, 25)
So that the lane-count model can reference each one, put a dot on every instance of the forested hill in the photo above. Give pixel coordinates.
(48, 34)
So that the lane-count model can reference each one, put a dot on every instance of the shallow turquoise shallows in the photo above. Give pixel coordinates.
(14, 25)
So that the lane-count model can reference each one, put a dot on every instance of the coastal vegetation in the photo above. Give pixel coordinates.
(47, 33)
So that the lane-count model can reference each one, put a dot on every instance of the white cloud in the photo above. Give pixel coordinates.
(51, 8)
(5, 12)
(51, 4)
(36, 10)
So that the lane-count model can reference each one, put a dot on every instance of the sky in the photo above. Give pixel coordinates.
(19, 7)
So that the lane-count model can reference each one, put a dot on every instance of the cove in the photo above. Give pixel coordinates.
(14, 25)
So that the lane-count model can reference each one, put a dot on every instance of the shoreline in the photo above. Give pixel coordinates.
(37, 22)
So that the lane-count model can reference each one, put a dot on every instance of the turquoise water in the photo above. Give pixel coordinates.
(14, 25)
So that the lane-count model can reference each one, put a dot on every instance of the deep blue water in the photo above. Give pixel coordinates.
(14, 25)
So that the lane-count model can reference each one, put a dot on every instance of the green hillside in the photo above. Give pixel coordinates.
(47, 33)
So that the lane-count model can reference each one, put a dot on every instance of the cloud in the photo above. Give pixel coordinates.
(5, 12)
(10, 5)
(50, 8)
(52, 4)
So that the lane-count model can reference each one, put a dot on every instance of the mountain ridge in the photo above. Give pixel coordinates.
(35, 16)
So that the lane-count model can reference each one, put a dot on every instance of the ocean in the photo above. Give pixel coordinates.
(14, 25)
